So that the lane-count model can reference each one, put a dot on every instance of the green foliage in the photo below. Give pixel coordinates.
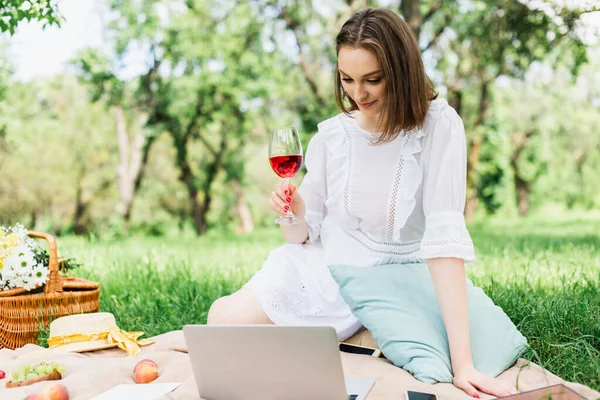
(559, 157)
(14, 11)
(493, 170)
(65, 265)
(57, 147)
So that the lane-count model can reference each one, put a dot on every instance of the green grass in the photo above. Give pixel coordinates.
(544, 274)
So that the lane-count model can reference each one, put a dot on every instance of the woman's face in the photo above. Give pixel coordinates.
(362, 79)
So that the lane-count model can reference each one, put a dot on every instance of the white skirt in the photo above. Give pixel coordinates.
(295, 287)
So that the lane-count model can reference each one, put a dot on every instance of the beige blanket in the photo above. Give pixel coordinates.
(90, 374)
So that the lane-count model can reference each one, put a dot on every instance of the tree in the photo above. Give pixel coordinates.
(14, 11)
(5, 73)
(131, 102)
(58, 156)
(494, 39)
(209, 75)
(554, 145)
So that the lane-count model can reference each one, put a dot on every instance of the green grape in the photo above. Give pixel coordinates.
(61, 369)
(48, 369)
(31, 375)
(39, 369)
(54, 365)
(25, 368)
(15, 375)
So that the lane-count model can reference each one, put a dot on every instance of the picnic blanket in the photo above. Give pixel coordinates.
(90, 374)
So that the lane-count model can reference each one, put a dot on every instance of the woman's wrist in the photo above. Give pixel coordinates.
(297, 233)
(460, 368)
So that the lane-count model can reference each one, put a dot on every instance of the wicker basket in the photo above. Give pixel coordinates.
(23, 314)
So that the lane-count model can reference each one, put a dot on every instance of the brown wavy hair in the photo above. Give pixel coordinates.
(408, 89)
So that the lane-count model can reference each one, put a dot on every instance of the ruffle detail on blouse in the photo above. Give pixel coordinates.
(407, 182)
(409, 174)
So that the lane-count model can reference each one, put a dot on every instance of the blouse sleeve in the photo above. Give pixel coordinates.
(313, 188)
(444, 190)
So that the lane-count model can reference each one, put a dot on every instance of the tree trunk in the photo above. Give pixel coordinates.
(199, 210)
(456, 100)
(211, 176)
(131, 163)
(79, 226)
(522, 187)
(412, 15)
(242, 209)
(33, 217)
(473, 159)
(471, 203)
(187, 178)
(123, 168)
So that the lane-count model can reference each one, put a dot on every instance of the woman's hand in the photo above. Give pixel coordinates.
(470, 380)
(284, 198)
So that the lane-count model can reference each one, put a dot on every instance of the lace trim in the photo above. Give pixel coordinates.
(366, 235)
(397, 253)
(446, 242)
(394, 198)
(350, 163)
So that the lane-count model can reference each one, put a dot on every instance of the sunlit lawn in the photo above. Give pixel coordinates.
(544, 274)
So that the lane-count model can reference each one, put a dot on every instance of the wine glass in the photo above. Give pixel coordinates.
(285, 156)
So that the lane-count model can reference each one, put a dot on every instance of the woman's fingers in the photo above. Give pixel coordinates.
(292, 189)
(278, 205)
(472, 382)
(493, 386)
(284, 194)
(467, 387)
(281, 198)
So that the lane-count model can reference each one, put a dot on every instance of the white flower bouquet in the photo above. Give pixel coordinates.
(22, 260)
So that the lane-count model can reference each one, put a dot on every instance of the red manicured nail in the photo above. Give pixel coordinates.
(285, 191)
(286, 208)
(476, 396)
(288, 199)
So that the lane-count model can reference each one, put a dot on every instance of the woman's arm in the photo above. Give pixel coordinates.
(449, 280)
(451, 290)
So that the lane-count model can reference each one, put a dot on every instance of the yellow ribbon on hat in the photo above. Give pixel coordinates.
(127, 341)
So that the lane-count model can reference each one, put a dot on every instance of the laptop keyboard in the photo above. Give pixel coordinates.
(352, 396)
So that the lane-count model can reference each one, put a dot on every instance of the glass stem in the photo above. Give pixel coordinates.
(289, 214)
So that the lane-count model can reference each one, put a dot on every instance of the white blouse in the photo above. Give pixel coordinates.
(398, 202)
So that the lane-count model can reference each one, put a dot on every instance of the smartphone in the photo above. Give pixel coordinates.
(410, 395)
(356, 349)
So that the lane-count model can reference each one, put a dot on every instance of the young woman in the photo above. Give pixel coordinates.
(385, 183)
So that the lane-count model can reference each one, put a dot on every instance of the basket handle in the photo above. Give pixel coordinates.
(54, 283)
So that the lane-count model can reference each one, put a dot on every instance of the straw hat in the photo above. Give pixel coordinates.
(86, 324)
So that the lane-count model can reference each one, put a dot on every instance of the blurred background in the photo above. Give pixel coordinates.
(152, 117)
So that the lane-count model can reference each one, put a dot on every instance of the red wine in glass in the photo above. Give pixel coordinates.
(286, 166)
(285, 156)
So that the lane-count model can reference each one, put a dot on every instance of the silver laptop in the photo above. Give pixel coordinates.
(269, 362)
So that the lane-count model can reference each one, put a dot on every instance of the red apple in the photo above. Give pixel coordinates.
(2, 374)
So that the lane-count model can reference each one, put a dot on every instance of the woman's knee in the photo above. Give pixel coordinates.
(218, 312)
(241, 307)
